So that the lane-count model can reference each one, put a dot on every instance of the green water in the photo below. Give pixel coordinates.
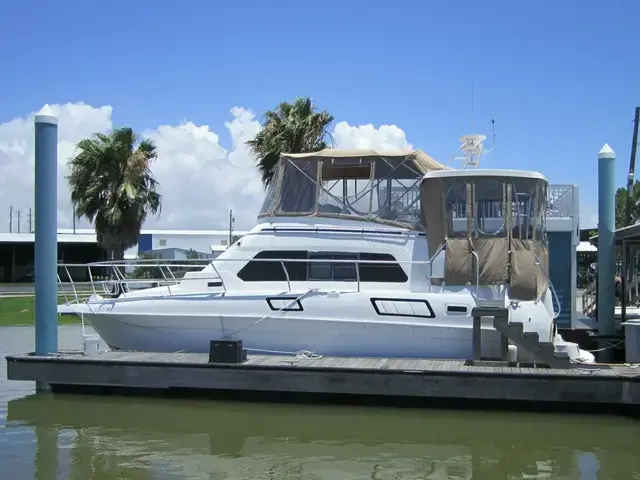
(87, 437)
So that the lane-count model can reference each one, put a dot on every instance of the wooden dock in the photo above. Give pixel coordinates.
(609, 388)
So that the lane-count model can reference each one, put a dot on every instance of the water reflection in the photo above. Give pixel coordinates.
(99, 438)
(158, 438)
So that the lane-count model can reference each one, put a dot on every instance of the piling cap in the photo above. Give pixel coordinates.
(606, 152)
(46, 115)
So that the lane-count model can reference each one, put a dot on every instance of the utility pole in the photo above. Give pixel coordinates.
(18, 221)
(29, 220)
(10, 218)
(231, 220)
(74, 218)
(632, 167)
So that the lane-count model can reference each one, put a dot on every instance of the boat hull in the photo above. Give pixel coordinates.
(381, 323)
(167, 333)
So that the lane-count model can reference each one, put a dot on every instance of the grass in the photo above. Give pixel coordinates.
(20, 311)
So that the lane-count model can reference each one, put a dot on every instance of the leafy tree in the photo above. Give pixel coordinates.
(621, 205)
(112, 186)
(192, 254)
(291, 128)
(147, 269)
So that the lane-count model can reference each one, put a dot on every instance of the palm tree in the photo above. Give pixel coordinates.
(290, 128)
(111, 183)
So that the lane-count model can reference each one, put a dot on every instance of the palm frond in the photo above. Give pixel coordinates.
(111, 185)
(290, 128)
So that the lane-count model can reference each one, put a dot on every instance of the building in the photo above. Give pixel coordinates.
(174, 244)
(17, 254)
(81, 247)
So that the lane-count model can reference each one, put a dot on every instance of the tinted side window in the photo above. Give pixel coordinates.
(381, 272)
(340, 271)
(257, 271)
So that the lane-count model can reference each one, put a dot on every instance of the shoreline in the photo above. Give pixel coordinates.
(19, 311)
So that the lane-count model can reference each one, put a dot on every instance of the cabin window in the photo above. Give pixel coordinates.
(529, 198)
(489, 213)
(381, 272)
(330, 271)
(258, 270)
(269, 271)
(455, 198)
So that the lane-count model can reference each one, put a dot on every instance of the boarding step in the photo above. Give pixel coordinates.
(545, 352)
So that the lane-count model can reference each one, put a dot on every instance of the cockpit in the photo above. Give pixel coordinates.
(490, 227)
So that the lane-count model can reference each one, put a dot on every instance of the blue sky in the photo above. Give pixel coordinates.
(560, 78)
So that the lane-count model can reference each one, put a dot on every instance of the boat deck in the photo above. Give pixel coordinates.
(607, 386)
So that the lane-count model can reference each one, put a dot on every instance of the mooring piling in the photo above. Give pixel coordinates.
(46, 233)
(606, 247)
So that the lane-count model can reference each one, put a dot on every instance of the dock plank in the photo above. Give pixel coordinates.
(380, 363)
(369, 363)
(395, 363)
(411, 377)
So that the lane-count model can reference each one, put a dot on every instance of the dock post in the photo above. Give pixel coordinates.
(46, 234)
(606, 247)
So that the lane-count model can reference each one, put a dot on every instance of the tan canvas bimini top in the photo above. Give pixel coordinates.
(423, 162)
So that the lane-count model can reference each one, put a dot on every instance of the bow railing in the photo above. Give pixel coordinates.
(115, 279)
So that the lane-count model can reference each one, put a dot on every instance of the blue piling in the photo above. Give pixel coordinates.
(46, 234)
(606, 247)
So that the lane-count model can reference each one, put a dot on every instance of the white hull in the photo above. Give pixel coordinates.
(288, 335)
(330, 323)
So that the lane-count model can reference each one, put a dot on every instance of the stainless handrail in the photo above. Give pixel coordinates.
(440, 248)
(121, 278)
(286, 273)
(474, 254)
(553, 290)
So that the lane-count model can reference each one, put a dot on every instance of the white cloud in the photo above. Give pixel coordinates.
(76, 121)
(200, 179)
(368, 136)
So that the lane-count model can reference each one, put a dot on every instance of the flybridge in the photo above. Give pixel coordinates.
(367, 185)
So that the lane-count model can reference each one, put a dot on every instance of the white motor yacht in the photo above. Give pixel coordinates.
(358, 253)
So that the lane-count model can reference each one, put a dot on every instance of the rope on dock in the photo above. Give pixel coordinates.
(605, 348)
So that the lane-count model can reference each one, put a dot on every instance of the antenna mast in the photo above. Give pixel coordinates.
(472, 147)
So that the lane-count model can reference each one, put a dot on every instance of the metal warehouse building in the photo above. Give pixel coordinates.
(17, 253)
(80, 246)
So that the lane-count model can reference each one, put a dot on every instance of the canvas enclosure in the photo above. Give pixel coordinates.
(491, 229)
(371, 185)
